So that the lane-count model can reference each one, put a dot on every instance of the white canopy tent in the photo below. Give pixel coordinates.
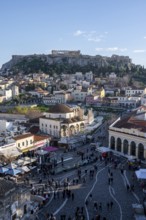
(24, 169)
(103, 149)
(141, 173)
(41, 152)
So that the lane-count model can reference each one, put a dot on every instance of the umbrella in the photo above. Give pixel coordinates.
(29, 160)
(11, 166)
(20, 162)
(13, 172)
(24, 169)
(3, 169)
(26, 158)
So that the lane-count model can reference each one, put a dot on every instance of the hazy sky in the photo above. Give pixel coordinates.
(102, 27)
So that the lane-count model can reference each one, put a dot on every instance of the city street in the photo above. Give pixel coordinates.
(97, 188)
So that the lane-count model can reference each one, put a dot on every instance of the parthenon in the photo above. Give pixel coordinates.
(66, 52)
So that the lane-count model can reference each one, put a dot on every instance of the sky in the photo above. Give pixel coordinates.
(95, 27)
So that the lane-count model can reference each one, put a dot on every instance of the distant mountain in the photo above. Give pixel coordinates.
(67, 62)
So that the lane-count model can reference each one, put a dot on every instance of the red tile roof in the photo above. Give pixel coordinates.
(23, 136)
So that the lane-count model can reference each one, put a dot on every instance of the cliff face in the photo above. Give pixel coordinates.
(80, 60)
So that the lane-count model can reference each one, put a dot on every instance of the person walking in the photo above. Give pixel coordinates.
(72, 196)
(111, 180)
(100, 206)
(111, 205)
(86, 202)
(108, 205)
(90, 196)
(128, 187)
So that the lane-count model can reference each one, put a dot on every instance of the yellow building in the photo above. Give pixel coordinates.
(102, 93)
(30, 142)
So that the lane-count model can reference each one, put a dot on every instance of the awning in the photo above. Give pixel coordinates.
(13, 172)
(28, 160)
(19, 162)
(27, 149)
(25, 169)
(141, 174)
(3, 169)
(50, 149)
(10, 152)
(103, 149)
(11, 166)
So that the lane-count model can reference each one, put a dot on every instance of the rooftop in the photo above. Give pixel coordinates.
(60, 108)
(23, 136)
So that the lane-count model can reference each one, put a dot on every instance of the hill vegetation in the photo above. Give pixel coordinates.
(69, 65)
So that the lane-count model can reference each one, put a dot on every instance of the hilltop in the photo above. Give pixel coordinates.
(67, 62)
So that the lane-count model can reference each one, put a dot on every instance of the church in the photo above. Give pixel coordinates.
(65, 120)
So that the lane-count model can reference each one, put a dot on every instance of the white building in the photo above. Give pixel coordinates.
(112, 75)
(128, 101)
(89, 76)
(62, 96)
(5, 125)
(7, 93)
(79, 76)
(127, 135)
(51, 100)
(15, 90)
(133, 91)
(80, 95)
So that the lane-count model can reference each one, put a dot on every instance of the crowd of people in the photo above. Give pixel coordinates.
(64, 189)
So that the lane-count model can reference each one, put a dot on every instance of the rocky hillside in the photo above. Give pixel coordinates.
(67, 63)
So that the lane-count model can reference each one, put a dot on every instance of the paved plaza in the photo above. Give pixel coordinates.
(97, 190)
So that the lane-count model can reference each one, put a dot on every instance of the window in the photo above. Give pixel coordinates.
(26, 143)
(22, 143)
(30, 141)
(18, 144)
(54, 126)
(46, 125)
(42, 124)
(50, 126)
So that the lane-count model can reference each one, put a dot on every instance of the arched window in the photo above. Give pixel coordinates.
(112, 144)
(119, 143)
(125, 147)
(140, 151)
(133, 148)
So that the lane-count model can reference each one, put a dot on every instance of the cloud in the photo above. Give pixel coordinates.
(99, 49)
(95, 39)
(116, 49)
(144, 37)
(111, 49)
(78, 33)
(139, 51)
(91, 36)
